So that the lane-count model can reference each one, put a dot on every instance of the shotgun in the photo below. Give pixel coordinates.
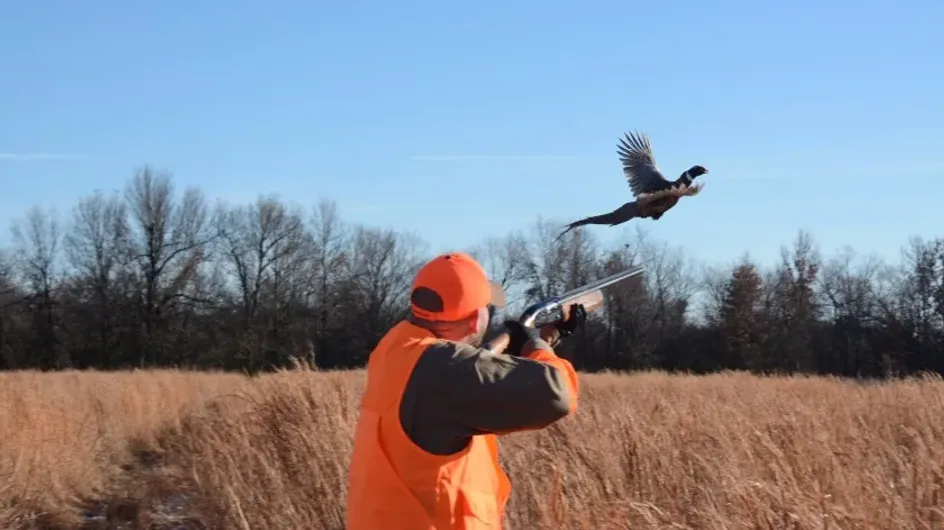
(557, 308)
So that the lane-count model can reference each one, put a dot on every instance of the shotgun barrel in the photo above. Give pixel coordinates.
(557, 308)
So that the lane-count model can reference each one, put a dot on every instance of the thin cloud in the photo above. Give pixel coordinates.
(25, 157)
(740, 168)
(457, 158)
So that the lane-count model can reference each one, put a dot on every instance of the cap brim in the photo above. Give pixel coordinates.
(498, 295)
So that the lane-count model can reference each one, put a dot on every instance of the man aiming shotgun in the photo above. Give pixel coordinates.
(425, 449)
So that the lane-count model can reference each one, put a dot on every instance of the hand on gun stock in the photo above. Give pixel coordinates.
(556, 317)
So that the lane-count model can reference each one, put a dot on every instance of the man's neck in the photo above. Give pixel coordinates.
(440, 330)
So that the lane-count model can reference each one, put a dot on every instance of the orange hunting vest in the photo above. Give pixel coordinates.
(394, 484)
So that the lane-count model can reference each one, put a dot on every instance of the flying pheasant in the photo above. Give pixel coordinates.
(654, 194)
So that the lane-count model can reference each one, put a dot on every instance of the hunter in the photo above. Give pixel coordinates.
(425, 449)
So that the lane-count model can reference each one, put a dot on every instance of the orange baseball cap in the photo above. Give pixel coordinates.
(452, 287)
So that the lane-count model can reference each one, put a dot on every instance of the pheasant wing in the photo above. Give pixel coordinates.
(639, 165)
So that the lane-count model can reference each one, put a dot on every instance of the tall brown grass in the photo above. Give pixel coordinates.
(729, 451)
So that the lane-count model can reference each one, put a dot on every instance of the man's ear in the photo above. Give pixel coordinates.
(475, 323)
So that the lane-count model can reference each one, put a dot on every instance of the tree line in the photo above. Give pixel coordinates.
(153, 276)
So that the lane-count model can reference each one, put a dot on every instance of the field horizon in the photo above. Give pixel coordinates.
(176, 449)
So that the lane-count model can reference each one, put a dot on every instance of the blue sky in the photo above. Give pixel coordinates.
(461, 122)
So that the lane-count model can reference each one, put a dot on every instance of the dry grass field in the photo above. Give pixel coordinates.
(167, 449)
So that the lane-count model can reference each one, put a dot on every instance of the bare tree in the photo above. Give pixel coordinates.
(655, 310)
(168, 243)
(38, 242)
(848, 286)
(544, 270)
(922, 285)
(579, 259)
(331, 243)
(252, 239)
(38, 245)
(9, 299)
(505, 258)
(98, 253)
(289, 291)
(793, 308)
(97, 243)
(920, 302)
(383, 264)
(853, 299)
(622, 303)
(506, 262)
(7, 282)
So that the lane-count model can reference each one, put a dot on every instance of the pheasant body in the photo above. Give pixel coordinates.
(654, 194)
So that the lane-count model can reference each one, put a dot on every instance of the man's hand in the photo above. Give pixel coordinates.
(553, 333)
(576, 319)
(518, 335)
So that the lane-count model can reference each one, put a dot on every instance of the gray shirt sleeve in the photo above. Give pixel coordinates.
(457, 391)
